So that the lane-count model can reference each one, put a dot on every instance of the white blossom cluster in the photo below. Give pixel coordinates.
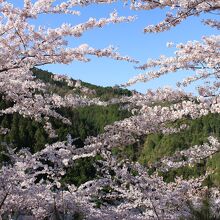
(32, 183)
(4, 131)
(63, 78)
(151, 119)
(138, 196)
(30, 99)
(201, 58)
(24, 46)
(189, 56)
(190, 156)
(179, 11)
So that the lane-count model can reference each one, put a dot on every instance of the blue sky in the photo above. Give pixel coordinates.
(130, 40)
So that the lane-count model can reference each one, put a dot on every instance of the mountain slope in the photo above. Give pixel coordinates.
(90, 121)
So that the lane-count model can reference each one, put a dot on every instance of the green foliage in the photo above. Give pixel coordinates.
(5, 103)
(91, 120)
(82, 171)
(61, 87)
(24, 132)
(214, 164)
(131, 152)
(158, 145)
(186, 172)
(106, 93)
(88, 121)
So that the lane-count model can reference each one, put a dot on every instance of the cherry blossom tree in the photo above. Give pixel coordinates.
(32, 183)
(25, 46)
(201, 58)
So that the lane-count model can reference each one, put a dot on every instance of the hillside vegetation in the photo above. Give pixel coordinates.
(91, 120)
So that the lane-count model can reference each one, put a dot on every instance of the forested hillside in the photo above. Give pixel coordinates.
(24, 132)
(156, 146)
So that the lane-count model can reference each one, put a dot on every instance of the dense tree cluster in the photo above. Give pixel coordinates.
(44, 182)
